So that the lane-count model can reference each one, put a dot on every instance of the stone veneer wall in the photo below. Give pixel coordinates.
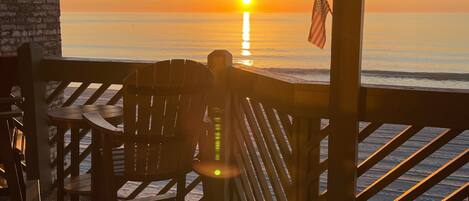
(31, 21)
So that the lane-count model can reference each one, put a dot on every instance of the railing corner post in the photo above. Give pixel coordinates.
(346, 58)
(36, 128)
(219, 63)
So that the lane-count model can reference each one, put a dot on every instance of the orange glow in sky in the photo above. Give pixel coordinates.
(255, 5)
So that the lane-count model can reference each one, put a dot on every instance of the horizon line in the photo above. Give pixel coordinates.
(240, 11)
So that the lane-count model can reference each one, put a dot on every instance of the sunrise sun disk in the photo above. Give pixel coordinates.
(247, 2)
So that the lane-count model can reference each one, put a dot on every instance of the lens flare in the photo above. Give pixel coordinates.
(216, 169)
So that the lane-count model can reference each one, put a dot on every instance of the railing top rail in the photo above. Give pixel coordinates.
(382, 103)
(266, 73)
(96, 59)
(92, 70)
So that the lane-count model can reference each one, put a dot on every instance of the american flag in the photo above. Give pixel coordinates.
(317, 33)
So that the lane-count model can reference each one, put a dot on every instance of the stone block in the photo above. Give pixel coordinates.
(40, 26)
(34, 20)
(16, 34)
(3, 7)
(39, 14)
(50, 7)
(5, 33)
(7, 14)
(7, 48)
(6, 27)
(49, 19)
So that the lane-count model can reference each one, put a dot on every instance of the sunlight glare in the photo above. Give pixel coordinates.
(217, 172)
(247, 2)
(246, 44)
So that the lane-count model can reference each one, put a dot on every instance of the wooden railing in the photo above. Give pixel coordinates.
(278, 129)
(275, 128)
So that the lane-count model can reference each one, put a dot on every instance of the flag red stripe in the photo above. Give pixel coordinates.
(318, 33)
(315, 31)
(315, 28)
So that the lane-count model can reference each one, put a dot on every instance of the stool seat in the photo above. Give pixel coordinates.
(78, 184)
(73, 115)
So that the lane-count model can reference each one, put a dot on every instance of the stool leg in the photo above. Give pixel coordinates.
(181, 188)
(96, 169)
(75, 157)
(60, 163)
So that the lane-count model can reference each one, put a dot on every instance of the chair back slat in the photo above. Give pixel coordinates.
(144, 76)
(130, 103)
(158, 110)
(164, 101)
(169, 154)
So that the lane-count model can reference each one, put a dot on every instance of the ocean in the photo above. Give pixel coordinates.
(410, 49)
(406, 49)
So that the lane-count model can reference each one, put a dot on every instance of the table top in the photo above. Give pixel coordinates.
(74, 113)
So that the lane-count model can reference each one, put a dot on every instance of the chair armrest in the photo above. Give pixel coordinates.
(12, 100)
(8, 115)
(96, 121)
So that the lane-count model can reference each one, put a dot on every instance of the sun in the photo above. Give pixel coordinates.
(247, 2)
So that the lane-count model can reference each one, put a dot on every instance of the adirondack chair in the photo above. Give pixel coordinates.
(164, 108)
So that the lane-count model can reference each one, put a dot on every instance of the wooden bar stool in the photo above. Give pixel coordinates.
(71, 118)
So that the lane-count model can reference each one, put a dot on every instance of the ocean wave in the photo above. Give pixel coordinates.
(437, 76)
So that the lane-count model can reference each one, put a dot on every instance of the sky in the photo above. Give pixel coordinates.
(257, 5)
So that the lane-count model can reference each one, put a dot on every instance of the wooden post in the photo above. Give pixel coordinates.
(220, 62)
(344, 98)
(305, 165)
(36, 128)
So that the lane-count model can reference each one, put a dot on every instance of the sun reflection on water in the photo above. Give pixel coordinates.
(246, 44)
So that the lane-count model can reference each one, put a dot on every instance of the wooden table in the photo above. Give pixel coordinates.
(71, 117)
